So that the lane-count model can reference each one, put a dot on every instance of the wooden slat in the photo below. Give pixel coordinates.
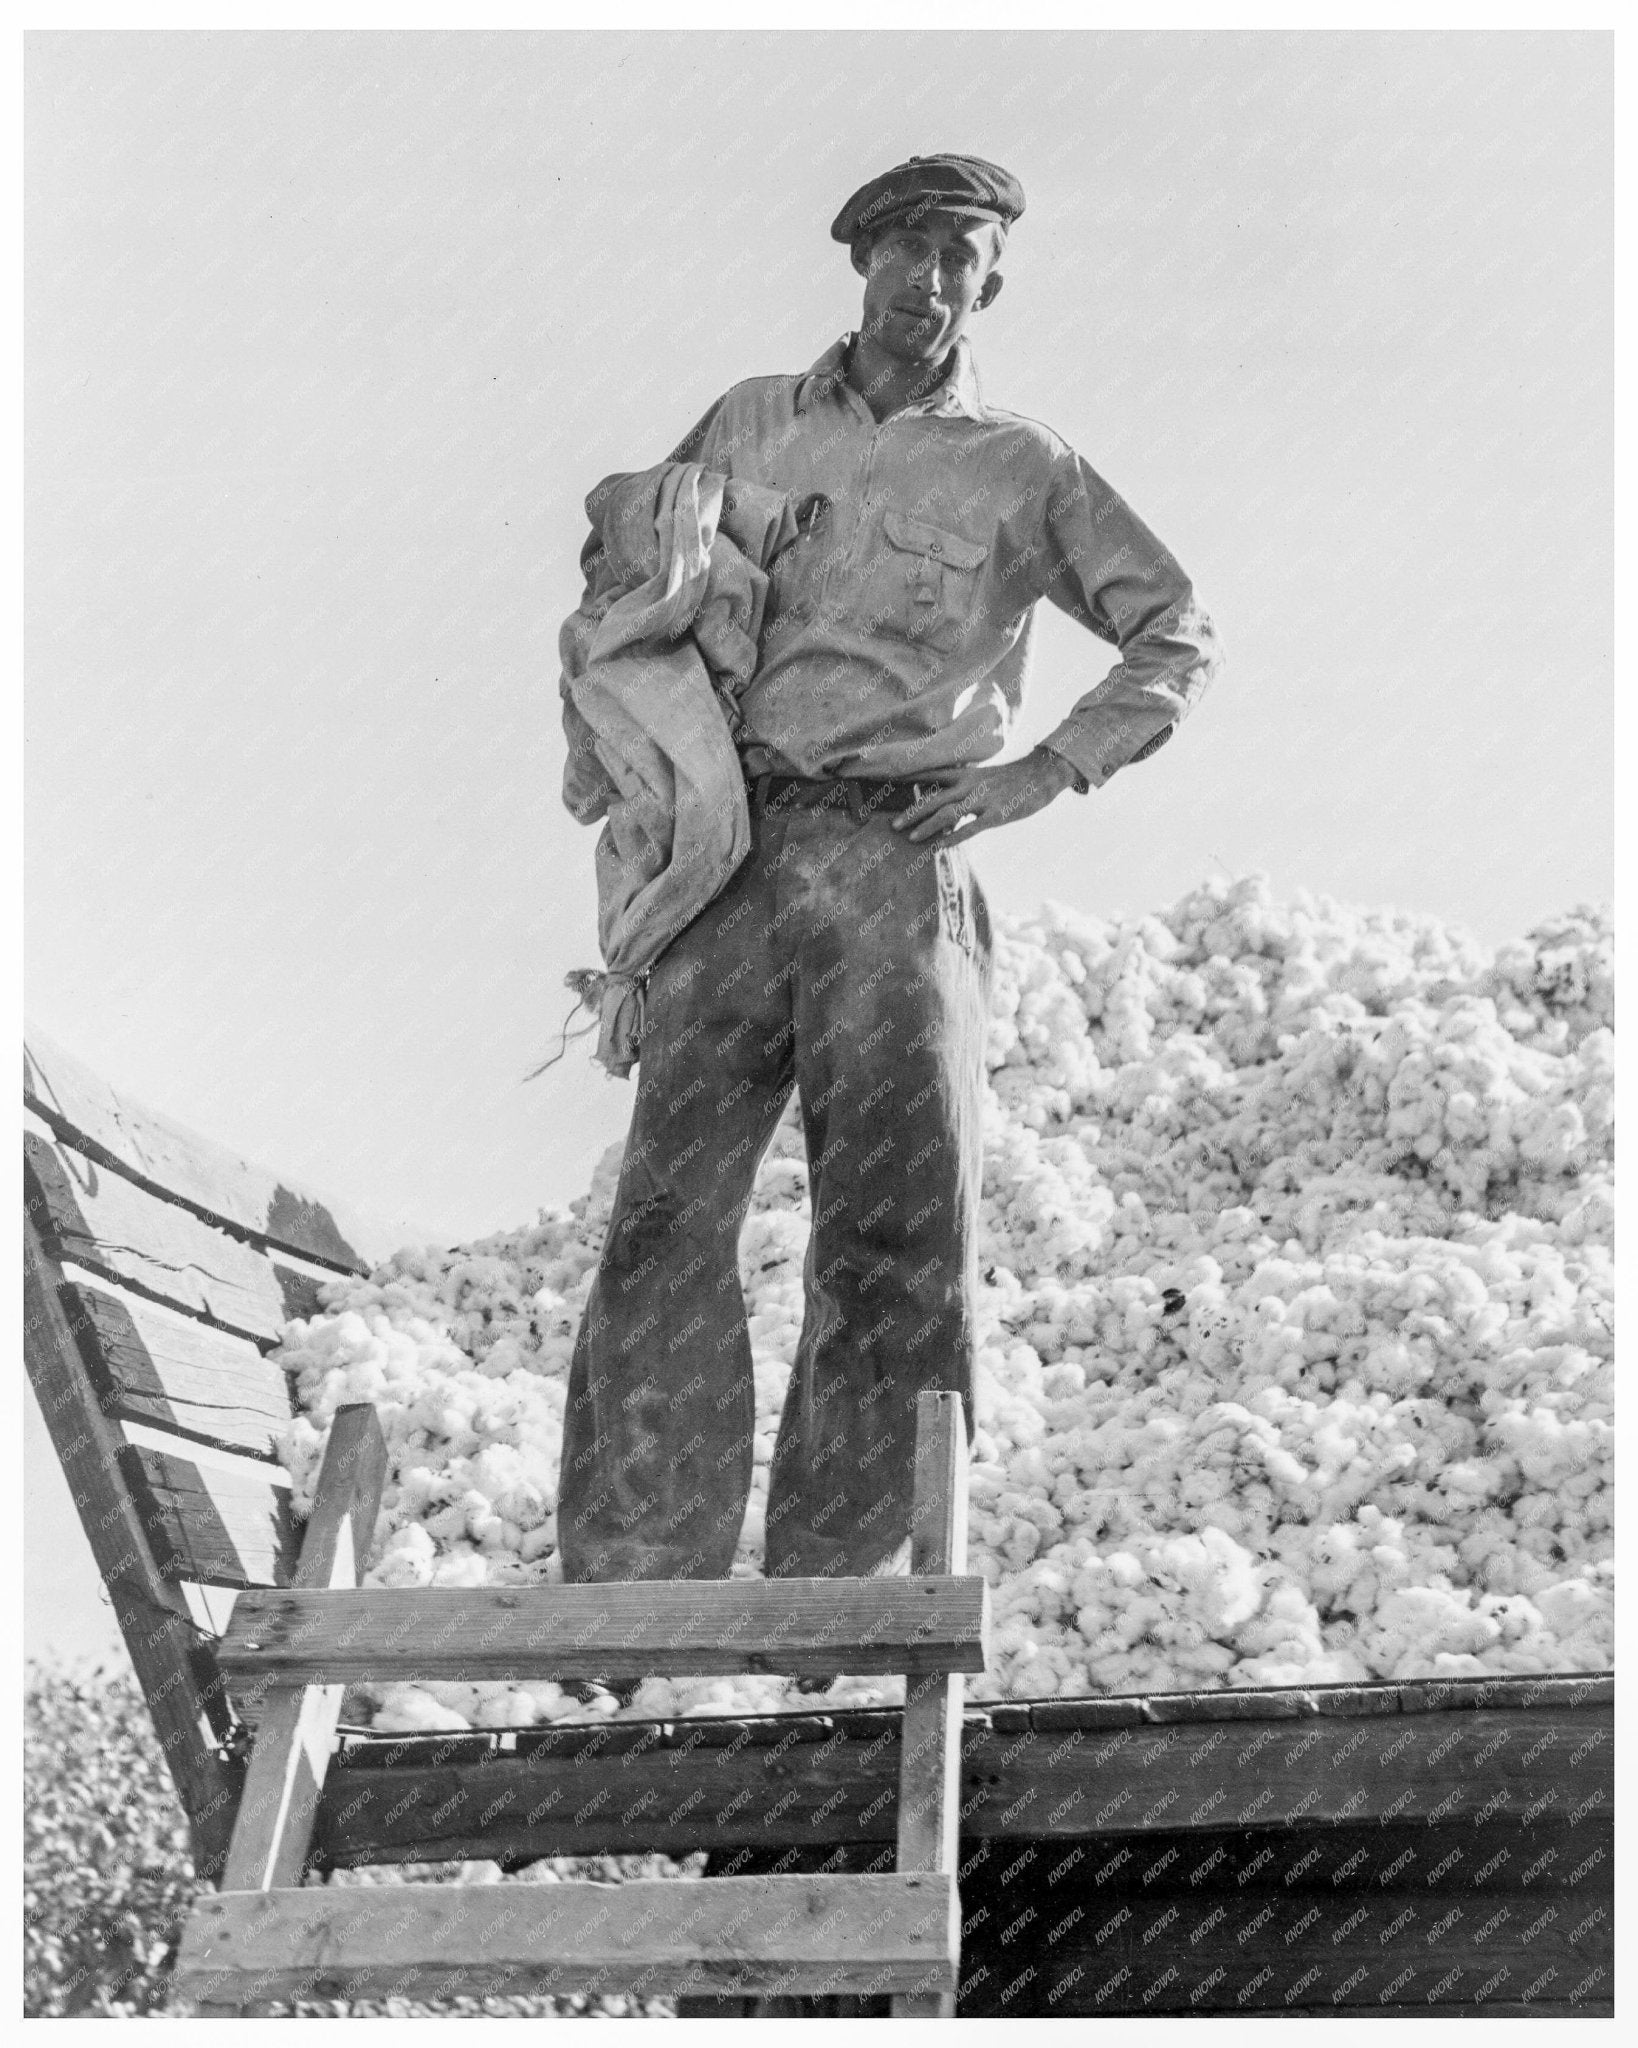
(1225, 1951)
(205, 1522)
(1322, 1769)
(930, 1750)
(120, 1134)
(793, 1934)
(563, 1795)
(1536, 1764)
(185, 1690)
(296, 1725)
(149, 1364)
(809, 1627)
(1047, 1933)
(1564, 1689)
(110, 1226)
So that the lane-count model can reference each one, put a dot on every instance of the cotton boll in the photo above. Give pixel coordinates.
(1226, 1591)
(300, 1448)
(522, 1502)
(407, 1559)
(412, 1710)
(1570, 1607)
(461, 1569)
(448, 1524)
(508, 1709)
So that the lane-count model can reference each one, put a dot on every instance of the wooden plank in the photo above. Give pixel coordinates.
(297, 1724)
(1394, 1951)
(930, 1747)
(1164, 1781)
(809, 1627)
(177, 1163)
(240, 1463)
(1297, 1703)
(110, 1226)
(524, 1808)
(205, 1522)
(185, 1690)
(1449, 1860)
(759, 1934)
(149, 1364)
(1324, 1769)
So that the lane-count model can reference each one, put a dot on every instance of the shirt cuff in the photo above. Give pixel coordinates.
(1080, 785)
(1096, 757)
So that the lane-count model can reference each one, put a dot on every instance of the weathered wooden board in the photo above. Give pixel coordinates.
(930, 1750)
(186, 1694)
(930, 1746)
(810, 1627)
(296, 1725)
(1392, 1950)
(150, 1364)
(120, 1134)
(205, 1522)
(1081, 1948)
(109, 1225)
(1302, 1703)
(1444, 1859)
(681, 1787)
(794, 1934)
(1323, 1768)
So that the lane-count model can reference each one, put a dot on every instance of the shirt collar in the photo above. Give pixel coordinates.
(957, 393)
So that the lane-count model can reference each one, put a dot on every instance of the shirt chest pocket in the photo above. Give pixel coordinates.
(923, 583)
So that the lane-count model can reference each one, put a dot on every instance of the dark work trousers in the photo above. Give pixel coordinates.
(847, 961)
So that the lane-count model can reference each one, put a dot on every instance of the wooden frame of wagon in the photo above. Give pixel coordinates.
(159, 1272)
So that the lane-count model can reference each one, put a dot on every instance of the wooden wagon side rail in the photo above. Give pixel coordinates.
(1529, 1750)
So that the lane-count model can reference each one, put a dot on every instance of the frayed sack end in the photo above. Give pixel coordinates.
(617, 1000)
(621, 1006)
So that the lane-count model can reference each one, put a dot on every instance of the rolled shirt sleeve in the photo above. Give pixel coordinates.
(1110, 573)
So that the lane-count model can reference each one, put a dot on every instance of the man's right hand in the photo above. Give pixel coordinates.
(973, 800)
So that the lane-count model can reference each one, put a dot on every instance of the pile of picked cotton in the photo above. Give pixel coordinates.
(1296, 1322)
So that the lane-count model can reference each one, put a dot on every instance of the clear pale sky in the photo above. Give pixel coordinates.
(329, 335)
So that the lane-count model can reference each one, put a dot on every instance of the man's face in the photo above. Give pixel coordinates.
(924, 280)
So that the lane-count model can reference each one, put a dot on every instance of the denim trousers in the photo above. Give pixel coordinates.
(846, 961)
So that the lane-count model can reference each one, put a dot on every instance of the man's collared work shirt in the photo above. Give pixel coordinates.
(897, 632)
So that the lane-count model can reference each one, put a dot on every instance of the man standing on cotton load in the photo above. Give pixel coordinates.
(849, 955)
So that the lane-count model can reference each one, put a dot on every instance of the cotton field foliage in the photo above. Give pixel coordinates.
(1296, 1323)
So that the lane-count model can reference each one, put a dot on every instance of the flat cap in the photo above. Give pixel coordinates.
(954, 184)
